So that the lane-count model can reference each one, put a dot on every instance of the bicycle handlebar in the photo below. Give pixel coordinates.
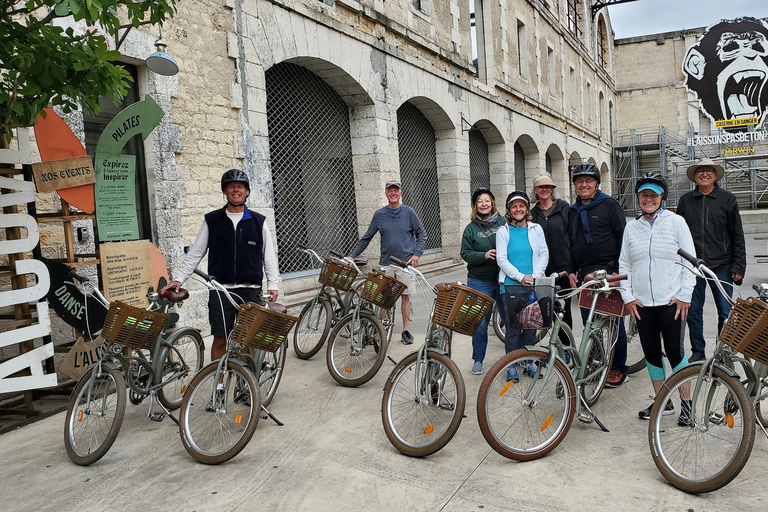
(699, 265)
(399, 262)
(77, 276)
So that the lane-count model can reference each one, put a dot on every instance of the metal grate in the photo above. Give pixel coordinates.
(312, 174)
(519, 167)
(418, 170)
(479, 170)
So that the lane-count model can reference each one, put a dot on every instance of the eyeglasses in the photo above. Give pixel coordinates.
(579, 181)
(705, 171)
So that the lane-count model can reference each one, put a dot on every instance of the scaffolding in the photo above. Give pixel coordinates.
(637, 151)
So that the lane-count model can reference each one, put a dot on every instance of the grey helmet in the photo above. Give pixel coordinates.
(587, 169)
(235, 176)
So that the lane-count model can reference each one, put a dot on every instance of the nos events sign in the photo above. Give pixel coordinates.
(727, 70)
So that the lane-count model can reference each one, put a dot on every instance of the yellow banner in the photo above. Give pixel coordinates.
(731, 123)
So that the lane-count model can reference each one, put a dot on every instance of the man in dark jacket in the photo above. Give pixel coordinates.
(597, 224)
(712, 215)
(240, 252)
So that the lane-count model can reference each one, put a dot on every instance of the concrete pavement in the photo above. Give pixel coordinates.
(332, 454)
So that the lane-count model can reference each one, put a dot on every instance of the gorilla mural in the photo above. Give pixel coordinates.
(727, 70)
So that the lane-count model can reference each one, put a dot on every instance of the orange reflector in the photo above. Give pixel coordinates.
(80, 415)
(506, 387)
(547, 422)
(183, 389)
(238, 419)
(729, 420)
(429, 429)
(348, 369)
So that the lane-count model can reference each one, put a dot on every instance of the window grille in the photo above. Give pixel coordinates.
(479, 170)
(312, 174)
(519, 167)
(418, 170)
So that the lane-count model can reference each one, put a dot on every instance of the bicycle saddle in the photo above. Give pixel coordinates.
(278, 308)
(174, 296)
(360, 261)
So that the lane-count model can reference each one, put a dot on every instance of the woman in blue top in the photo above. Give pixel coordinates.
(522, 255)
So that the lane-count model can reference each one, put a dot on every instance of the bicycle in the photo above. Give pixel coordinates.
(707, 446)
(221, 407)
(424, 396)
(526, 418)
(328, 306)
(635, 354)
(161, 365)
(358, 344)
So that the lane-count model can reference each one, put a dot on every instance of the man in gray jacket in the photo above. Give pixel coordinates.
(402, 236)
(712, 214)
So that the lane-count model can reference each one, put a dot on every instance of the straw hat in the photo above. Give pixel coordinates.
(543, 180)
(706, 162)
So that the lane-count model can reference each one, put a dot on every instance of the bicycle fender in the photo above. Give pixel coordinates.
(730, 371)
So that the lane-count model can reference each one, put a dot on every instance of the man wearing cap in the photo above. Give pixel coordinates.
(596, 228)
(712, 215)
(402, 236)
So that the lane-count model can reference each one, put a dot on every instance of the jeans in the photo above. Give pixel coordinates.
(620, 351)
(696, 311)
(480, 338)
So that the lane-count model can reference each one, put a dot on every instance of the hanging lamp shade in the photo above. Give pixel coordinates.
(161, 62)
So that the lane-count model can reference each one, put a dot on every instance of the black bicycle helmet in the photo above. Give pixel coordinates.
(482, 190)
(654, 178)
(587, 169)
(235, 176)
(518, 194)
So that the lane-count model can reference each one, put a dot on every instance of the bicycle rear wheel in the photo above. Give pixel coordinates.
(761, 407)
(709, 454)
(271, 373)
(526, 420)
(189, 354)
(599, 360)
(421, 420)
(356, 350)
(91, 426)
(498, 323)
(218, 415)
(312, 329)
(635, 354)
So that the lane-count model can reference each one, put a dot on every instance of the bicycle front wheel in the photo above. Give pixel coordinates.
(421, 419)
(356, 350)
(189, 355)
(635, 354)
(526, 420)
(312, 329)
(599, 360)
(91, 426)
(219, 413)
(271, 373)
(707, 453)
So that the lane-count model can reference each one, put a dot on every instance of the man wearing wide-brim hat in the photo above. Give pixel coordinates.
(712, 215)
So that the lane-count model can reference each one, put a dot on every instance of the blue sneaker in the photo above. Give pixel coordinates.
(477, 368)
(567, 357)
(529, 370)
(512, 374)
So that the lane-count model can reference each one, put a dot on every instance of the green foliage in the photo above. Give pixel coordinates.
(44, 65)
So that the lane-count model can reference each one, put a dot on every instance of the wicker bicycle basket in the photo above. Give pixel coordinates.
(746, 329)
(133, 327)
(460, 308)
(262, 328)
(381, 289)
(337, 275)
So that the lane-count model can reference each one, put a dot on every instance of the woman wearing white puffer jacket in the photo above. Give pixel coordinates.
(658, 288)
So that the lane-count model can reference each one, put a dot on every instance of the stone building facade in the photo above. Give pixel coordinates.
(323, 102)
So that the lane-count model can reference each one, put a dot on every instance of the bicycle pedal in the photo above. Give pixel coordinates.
(586, 417)
(157, 416)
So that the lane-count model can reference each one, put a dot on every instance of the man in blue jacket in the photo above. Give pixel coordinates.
(712, 215)
(402, 236)
(240, 252)
(597, 224)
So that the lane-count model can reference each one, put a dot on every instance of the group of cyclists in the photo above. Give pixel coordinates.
(531, 239)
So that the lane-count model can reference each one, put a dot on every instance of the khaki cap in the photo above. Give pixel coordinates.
(543, 180)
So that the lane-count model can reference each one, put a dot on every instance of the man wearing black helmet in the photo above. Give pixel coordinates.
(597, 224)
(240, 252)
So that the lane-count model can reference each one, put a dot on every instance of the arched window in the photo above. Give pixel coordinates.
(602, 43)
(479, 168)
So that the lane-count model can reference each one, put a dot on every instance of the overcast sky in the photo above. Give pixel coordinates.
(644, 17)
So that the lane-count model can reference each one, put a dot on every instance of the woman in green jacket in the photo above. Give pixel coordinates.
(478, 249)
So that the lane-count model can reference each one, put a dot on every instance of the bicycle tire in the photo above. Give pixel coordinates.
(595, 367)
(634, 348)
(761, 407)
(271, 372)
(308, 338)
(353, 362)
(498, 323)
(87, 436)
(189, 345)
(516, 428)
(417, 427)
(701, 458)
(213, 432)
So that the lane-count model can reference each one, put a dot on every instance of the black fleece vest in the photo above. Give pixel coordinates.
(235, 256)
